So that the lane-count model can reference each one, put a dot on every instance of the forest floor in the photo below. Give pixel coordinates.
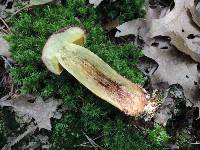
(153, 43)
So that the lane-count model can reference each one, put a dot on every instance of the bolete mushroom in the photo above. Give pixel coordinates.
(64, 50)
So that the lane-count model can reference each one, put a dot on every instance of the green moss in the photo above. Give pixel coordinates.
(86, 112)
(123, 9)
(158, 135)
(121, 136)
(32, 30)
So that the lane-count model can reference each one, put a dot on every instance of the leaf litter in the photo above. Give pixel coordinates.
(171, 37)
(39, 110)
(10, 8)
(174, 67)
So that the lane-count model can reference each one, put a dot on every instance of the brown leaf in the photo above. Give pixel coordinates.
(130, 27)
(174, 70)
(178, 25)
(195, 11)
(156, 11)
(139, 28)
(4, 48)
(39, 110)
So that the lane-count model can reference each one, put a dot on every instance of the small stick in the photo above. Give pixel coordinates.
(31, 128)
(92, 142)
(6, 32)
(2, 20)
(11, 90)
(26, 6)
(6, 61)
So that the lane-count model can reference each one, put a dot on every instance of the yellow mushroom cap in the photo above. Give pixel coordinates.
(56, 41)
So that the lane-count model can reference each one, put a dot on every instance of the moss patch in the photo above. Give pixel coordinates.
(87, 113)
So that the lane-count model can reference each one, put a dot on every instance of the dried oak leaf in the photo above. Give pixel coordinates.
(139, 28)
(130, 27)
(174, 70)
(155, 11)
(39, 110)
(178, 25)
(195, 11)
(4, 48)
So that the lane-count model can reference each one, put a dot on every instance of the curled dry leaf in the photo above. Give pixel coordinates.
(130, 27)
(174, 70)
(171, 27)
(41, 111)
(4, 48)
(195, 11)
(155, 11)
(139, 28)
(178, 25)
(93, 72)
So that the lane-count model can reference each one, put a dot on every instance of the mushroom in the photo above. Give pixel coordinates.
(64, 50)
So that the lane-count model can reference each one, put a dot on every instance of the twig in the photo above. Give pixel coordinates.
(4, 98)
(11, 90)
(6, 32)
(91, 141)
(6, 61)
(82, 145)
(30, 129)
(2, 20)
(25, 7)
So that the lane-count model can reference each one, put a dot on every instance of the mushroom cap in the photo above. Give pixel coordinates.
(56, 42)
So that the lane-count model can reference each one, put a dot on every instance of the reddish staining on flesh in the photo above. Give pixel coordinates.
(112, 87)
(131, 102)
